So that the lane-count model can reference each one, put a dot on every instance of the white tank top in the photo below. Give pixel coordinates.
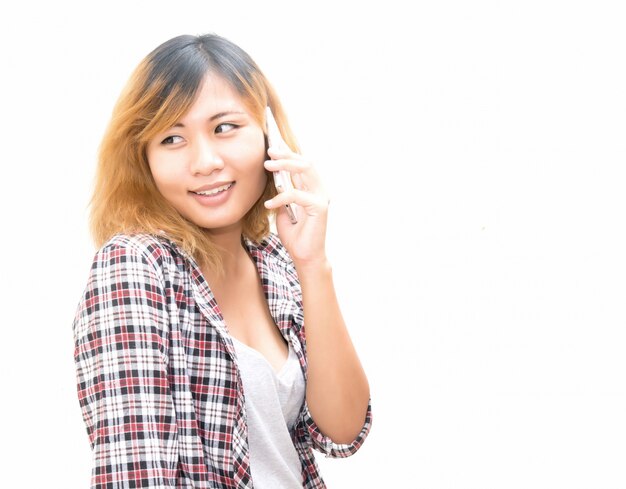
(273, 402)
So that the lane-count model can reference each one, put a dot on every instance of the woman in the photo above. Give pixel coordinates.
(210, 352)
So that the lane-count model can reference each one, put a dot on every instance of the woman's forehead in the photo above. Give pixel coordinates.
(216, 96)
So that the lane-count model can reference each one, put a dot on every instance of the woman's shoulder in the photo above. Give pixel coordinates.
(153, 250)
(142, 243)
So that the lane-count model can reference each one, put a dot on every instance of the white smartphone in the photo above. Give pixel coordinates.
(282, 178)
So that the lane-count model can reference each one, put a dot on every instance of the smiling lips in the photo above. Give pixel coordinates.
(213, 190)
(212, 195)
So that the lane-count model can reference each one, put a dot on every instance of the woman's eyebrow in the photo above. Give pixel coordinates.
(223, 114)
(216, 116)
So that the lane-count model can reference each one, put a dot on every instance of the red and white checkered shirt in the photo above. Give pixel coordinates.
(158, 382)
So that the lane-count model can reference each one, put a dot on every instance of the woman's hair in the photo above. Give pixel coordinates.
(160, 91)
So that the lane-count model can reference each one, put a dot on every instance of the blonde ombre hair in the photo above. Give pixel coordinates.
(159, 92)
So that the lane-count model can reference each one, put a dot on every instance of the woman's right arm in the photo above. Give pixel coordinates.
(120, 333)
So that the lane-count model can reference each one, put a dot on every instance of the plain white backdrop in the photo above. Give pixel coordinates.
(474, 152)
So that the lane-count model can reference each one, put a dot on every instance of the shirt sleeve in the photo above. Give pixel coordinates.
(325, 445)
(120, 333)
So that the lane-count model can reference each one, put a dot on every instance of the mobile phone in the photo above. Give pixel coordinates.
(282, 178)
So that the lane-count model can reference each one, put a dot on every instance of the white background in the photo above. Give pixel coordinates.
(475, 156)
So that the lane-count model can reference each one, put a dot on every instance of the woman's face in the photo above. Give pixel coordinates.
(209, 165)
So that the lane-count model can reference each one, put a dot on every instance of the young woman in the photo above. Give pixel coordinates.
(210, 352)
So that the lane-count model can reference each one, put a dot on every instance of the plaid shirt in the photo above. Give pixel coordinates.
(157, 375)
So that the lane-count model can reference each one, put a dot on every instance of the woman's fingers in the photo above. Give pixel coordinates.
(280, 153)
(303, 174)
(286, 159)
(289, 164)
(304, 199)
(308, 192)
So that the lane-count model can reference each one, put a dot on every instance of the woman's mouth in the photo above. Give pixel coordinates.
(216, 190)
(214, 195)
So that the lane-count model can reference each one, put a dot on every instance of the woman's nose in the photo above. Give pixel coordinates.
(205, 158)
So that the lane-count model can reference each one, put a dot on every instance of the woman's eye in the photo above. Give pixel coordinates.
(226, 127)
(172, 140)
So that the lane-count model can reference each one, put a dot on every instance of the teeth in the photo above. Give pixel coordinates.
(214, 191)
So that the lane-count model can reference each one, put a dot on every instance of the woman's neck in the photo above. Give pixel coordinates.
(233, 254)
